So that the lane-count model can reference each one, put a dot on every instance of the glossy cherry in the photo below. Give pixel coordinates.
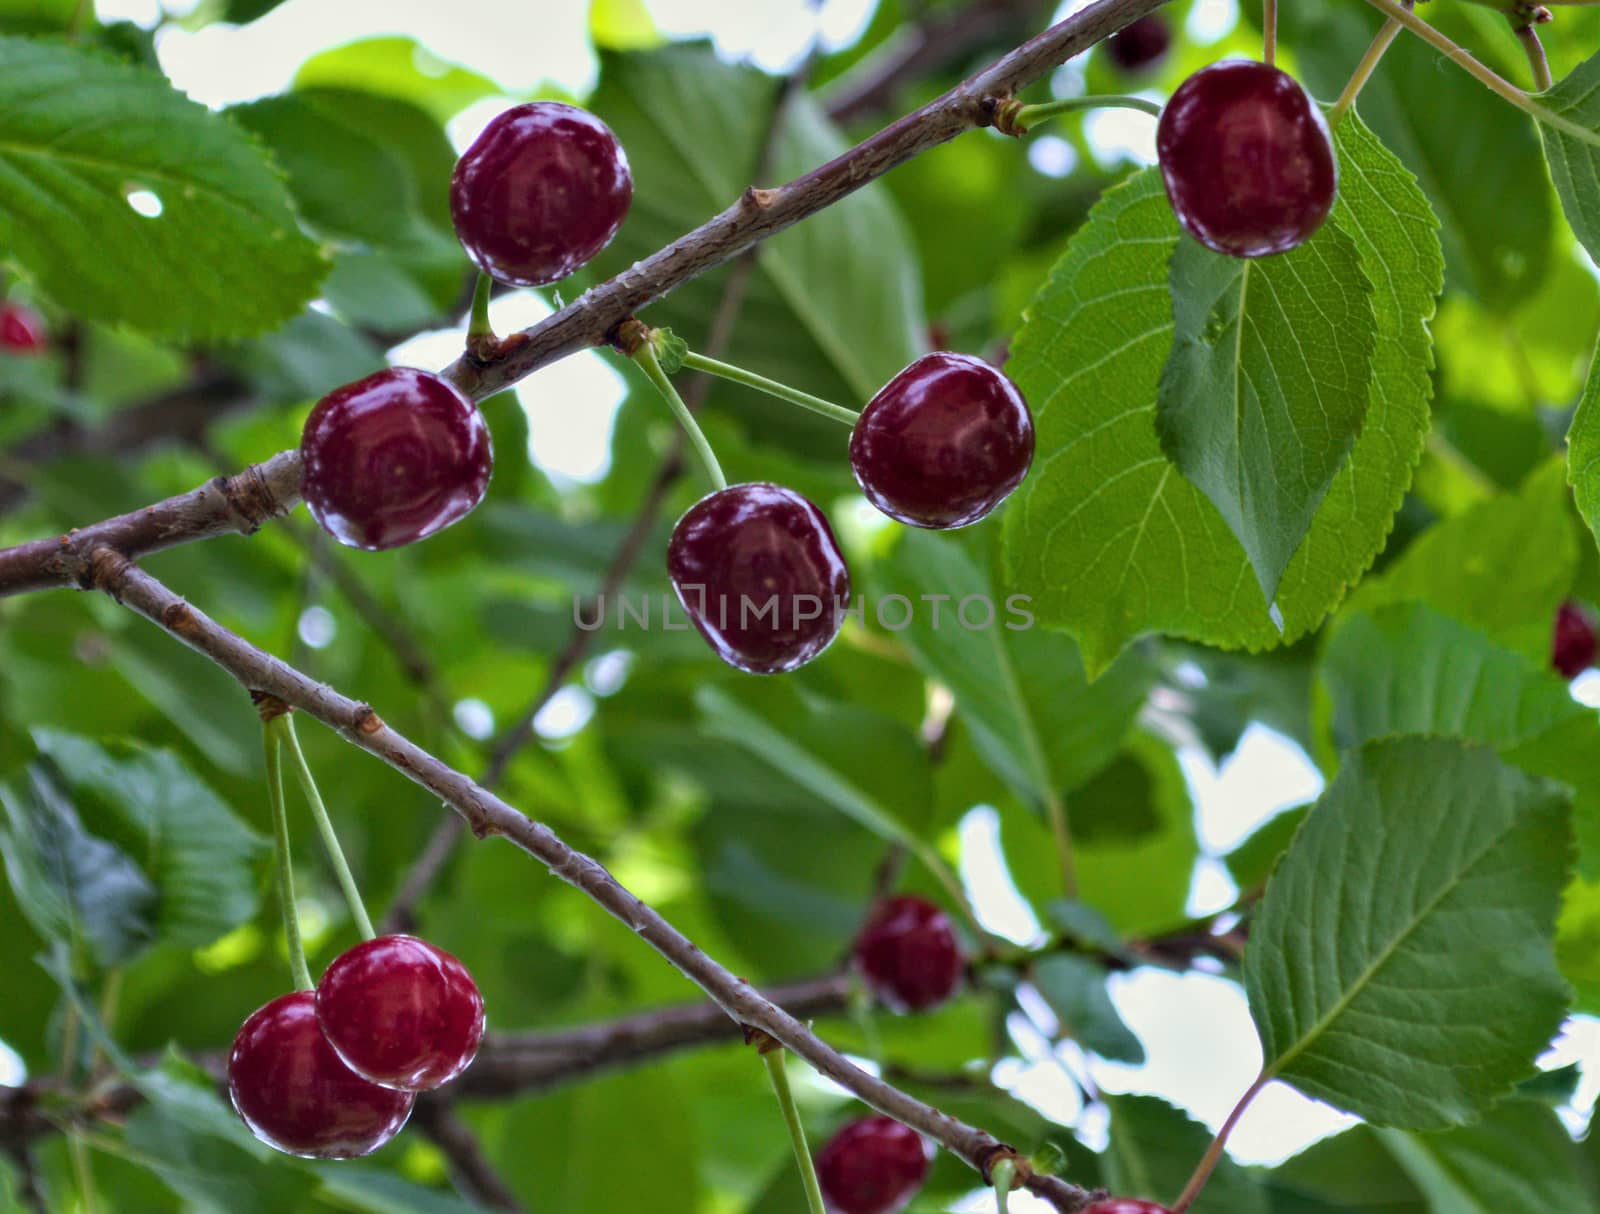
(1572, 648)
(760, 574)
(393, 458)
(541, 191)
(1140, 45)
(1247, 159)
(401, 1012)
(873, 1165)
(942, 443)
(909, 955)
(295, 1094)
(22, 330)
(1126, 1205)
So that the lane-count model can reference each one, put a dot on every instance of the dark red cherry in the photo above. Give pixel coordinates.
(544, 188)
(295, 1094)
(1572, 648)
(1247, 159)
(401, 1012)
(873, 1165)
(22, 330)
(942, 443)
(1140, 45)
(760, 574)
(909, 955)
(1126, 1205)
(393, 458)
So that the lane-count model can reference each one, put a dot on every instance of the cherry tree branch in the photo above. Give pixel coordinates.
(470, 1170)
(487, 816)
(242, 503)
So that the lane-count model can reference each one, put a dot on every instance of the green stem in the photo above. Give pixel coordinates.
(330, 840)
(1004, 1178)
(774, 1058)
(83, 1174)
(280, 834)
(1269, 32)
(479, 329)
(1485, 76)
(1030, 115)
(738, 375)
(1358, 78)
(645, 356)
(1063, 837)
(1208, 1161)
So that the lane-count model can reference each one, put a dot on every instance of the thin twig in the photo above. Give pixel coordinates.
(470, 1169)
(1213, 1156)
(487, 815)
(1528, 35)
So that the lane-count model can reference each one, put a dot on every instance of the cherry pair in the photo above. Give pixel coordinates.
(331, 1073)
(756, 566)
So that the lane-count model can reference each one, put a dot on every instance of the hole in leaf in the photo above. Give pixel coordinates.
(144, 202)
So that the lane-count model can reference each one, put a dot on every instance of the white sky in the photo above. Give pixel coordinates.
(1202, 1050)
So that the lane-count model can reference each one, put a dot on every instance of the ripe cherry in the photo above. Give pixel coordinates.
(1572, 648)
(873, 1165)
(22, 330)
(1126, 1205)
(295, 1094)
(541, 191)
(909, 955)
(1140, 45)
(760, 574)
(1247, 159)
(393, 458)
(942, 443)
(401, 1012)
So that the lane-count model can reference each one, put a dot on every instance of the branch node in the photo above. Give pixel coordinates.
(103, 571)
(178, 619)
(763, 1041)
(757, 199)
(1001, 113)
(250, 498)
(625, 337)
(367, 722)
(268, 706)
(989, 1156)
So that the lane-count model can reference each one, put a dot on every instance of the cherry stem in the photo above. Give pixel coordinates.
(1484, 75)
(645, 356)
(280, 833)
(1003, 1176)
(1358, 78)
(775, 1059)
(1528, 35)
(319, 811)
(481, 339)
(1021, 120)
(1269, 32)
(1213, 1156)
(772, 387)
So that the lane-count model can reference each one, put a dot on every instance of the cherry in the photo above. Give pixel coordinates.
(873, 1165)
(1140, 45)
(1247, 159)
(21, 330)
(393, 458)
(942, 443)
(295, 1094)
(541, 191)
(401, 1012)
(1126, 1205)
(1572, 649)
(909, 955)
(760, 574)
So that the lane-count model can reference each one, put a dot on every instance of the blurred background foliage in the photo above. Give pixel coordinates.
(112, 737)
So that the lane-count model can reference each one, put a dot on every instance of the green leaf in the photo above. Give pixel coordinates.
(1154, 1147)
(401, 68)
(78, 135)
(1518, 1160)
(1583, 450)
(1400, 967)
(73, 887)
(1075, 989)
(1035, 718)
(1084, 925)
(1352, 1171)
(838, 296)
(201, 858)
(1502, 567)
(1267, 385)
(1569, 124)
(1406, 668)
(1252, 861)
(1107, 537)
